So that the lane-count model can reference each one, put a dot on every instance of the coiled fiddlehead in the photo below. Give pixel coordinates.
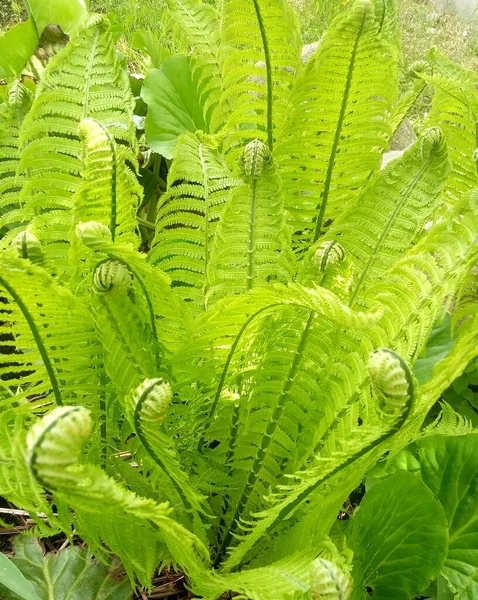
(29, 246)
(392, 380)
(55, 443)
(113, 277)
(329, 254)
(93, 234)
(256, 155)
(329, 582)
(151, 399)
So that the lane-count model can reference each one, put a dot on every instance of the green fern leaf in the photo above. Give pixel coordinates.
(109, 192)
(198, 186)
(84, 81)
(392, 211)
(54, 447)
(251, 246)
(260, 57)
(54, 355)
(455, 111)
(328, 150)
(12, 113)
(146, 408)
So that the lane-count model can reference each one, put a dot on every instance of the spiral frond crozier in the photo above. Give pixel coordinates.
(93, 233)
(152, 399)
(113, 277)
(392, 380)
(329, 582)
(55, 442)
(256, 155)
(329, 254)
(29, 246)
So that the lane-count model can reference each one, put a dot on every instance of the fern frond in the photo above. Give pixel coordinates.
(392, 211)
(54, 355)
(260, 58)
(166, 313)
(198, 187)
(54, 447)
(146, 408)
(455, 111)
(223, 335)
(109, 192)
(84, 81)
(402, 108)
(328, 150)
(17, 485)
(450, 423)
(297, 577)
(12, 113)
(251, 246)
(361, 446)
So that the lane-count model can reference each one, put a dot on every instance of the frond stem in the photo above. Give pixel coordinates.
(338, 131)
(267, 58)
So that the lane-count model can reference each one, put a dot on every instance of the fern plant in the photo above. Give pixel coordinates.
(212, 404)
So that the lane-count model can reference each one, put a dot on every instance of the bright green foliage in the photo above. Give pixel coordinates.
(399, 538)
(16, 47)
(188, 216)
(337, 127)
(448, 466)
(84, 81)
(12, 113)
(165, 121)
(218, 399)
(12, 579)
(108, 187)
(70, 574)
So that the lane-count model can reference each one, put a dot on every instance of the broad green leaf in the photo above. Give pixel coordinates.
(68, 14)
(72, 574)
(148, 42)
(449, 467)
(173, 104)
(439, 345)
(13, 579)
(16, 46)
(399, 538)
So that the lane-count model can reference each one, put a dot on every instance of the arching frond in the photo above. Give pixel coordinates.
(52, 355)
(84, 81)
(392, 210)
(55, 444)
(199, 184)
(327, 150)
(455, 110)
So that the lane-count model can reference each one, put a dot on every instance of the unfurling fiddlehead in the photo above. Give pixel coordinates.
(329, 582)
(151, 399)
(113, 277)
(29, 246)
(392, 380)
(329, 254)
(256, 155)
(93, 234)
(55, 443)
